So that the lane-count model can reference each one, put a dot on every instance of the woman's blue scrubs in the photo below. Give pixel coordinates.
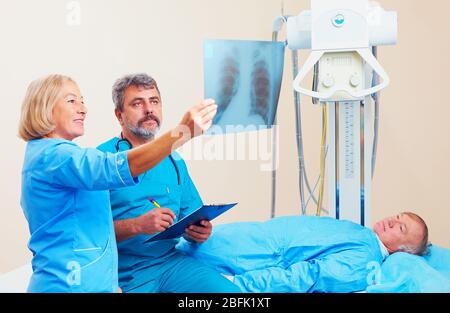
(65, 199)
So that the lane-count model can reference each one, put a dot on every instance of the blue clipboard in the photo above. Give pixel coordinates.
(206, 212)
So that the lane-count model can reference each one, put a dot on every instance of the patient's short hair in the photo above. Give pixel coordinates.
(422, 247)
(37, 107)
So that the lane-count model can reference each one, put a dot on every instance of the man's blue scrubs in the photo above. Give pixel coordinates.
(157, 266)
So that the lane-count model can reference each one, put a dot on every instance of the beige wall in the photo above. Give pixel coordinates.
(164, 38)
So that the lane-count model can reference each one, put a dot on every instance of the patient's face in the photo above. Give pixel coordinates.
(399, 230)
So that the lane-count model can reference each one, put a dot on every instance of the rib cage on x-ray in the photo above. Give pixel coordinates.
(260, 90)
(229, 76)
(245, 78)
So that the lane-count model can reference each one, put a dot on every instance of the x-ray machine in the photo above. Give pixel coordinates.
(343, 36)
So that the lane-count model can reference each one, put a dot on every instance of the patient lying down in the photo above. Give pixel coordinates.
(308, 253)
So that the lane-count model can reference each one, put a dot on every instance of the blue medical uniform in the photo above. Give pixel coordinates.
(65, 199)
(157, 266)
(293, 254)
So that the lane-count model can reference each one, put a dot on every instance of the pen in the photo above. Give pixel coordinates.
(154, 202)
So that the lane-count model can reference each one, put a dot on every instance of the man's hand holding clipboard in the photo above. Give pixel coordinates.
(191, 224)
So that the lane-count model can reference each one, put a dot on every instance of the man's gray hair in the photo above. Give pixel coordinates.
(119, 87)
(423, 247)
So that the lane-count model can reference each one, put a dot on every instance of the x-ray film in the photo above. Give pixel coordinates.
(244, 77)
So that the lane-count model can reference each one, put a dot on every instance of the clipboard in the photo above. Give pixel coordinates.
(206, 212)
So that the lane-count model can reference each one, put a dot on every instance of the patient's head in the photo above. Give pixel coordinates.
(406, 232)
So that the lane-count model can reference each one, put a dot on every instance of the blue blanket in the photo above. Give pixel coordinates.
(403, 272)
(292, 254)
(286, 255)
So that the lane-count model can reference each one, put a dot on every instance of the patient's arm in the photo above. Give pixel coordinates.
(156, 220)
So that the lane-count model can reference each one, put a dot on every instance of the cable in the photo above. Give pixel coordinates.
(302, 167)
(376, 98)
(322, 158)
(317, 181)
(302, 175)
(276, 28)
(298, 137)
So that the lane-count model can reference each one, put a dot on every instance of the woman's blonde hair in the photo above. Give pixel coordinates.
(37, 107)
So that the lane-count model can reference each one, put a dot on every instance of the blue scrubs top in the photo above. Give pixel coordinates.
(66, 202)
(160, 183)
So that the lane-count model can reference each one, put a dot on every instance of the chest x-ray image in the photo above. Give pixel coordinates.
(244, 77)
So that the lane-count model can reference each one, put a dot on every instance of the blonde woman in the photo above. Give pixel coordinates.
(65, 188)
